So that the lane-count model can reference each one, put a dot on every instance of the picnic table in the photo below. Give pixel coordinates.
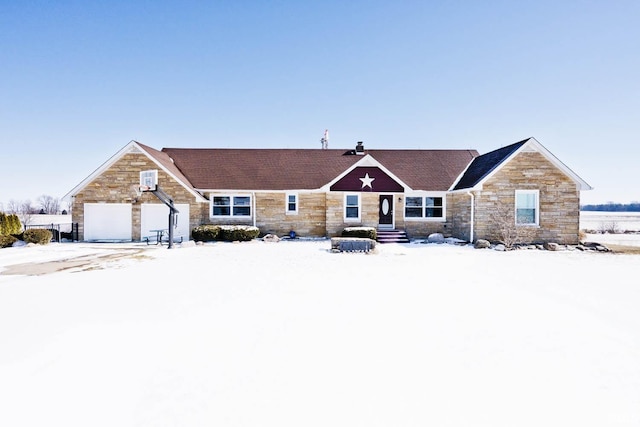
(159, 234)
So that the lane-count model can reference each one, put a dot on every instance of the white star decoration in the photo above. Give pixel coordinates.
(366, 181)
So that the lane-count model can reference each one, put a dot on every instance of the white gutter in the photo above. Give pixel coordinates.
(473, 203)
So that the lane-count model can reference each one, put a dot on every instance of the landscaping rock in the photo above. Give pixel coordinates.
(271, 238)
(455, 241)
(435, 238)
(482, 244)
(551, 246)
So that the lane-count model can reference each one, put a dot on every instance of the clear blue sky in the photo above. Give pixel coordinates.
(79, 80)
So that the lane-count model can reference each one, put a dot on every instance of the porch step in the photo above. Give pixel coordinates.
(392, 236)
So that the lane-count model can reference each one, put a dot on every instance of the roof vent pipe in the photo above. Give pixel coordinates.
(360, 148)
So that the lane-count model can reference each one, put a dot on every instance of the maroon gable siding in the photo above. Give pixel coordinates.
(380, 183)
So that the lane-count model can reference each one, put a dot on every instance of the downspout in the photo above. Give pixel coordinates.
(473, 203)
(253, 209)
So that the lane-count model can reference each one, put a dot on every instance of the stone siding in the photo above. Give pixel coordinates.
(309, 221)
(459, 215)
(559, 202)
(116, 184)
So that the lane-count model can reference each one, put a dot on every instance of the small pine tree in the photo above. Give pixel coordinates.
(15, 226)
(9, 224)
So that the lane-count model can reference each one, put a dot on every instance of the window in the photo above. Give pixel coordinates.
(351, 207)
(242, 206)
(292, 204)
(413, 207)
(527, 207)
(433, 207)
(231, 206)
(424, 207)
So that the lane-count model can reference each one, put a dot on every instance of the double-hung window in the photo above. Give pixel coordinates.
(292, 204)
(527, 207)
(424, 207)
(231, 206)
(352, 207)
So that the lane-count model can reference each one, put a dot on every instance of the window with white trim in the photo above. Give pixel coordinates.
(351, 207)
(231, 206)
(527, 207)
(292, 204)
(424, 207)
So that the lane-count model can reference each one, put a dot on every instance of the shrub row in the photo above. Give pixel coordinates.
(227, 233)
(39, 236)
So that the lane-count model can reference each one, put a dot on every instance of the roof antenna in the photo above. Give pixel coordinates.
(325, 140)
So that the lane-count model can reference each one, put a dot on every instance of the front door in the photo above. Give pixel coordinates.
(386, 211)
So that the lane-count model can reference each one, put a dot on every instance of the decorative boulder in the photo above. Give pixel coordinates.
(271, 238)
(482, 244)
(500, 248)
(550, 246)
(435, 238)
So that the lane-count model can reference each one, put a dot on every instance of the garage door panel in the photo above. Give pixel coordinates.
(107, 221)
(155, 216)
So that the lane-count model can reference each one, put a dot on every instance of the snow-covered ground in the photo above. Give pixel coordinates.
(608, 221)
(289, 334)
(612, 227)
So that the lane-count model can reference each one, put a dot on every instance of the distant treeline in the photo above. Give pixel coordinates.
(613, 207)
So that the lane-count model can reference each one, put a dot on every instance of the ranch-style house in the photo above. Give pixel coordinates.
(319, 192)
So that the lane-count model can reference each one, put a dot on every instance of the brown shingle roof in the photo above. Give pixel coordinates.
(434, 170)
(291, 169)
(165, 161)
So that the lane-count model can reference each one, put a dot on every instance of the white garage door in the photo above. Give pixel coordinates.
(155, 216)
(107, 221)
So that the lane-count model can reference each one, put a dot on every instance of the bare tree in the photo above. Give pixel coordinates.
(609, 227)
(50, 205)
(13, 207)
(24, 209)
(507, 231)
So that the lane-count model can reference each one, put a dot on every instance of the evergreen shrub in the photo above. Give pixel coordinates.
(205, 233)
(227, 233)
(39, 236)
(365, 232)
(241, 233)
(7, 241)
(10, 224)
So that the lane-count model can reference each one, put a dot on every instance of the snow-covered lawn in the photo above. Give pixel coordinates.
(289, 334)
